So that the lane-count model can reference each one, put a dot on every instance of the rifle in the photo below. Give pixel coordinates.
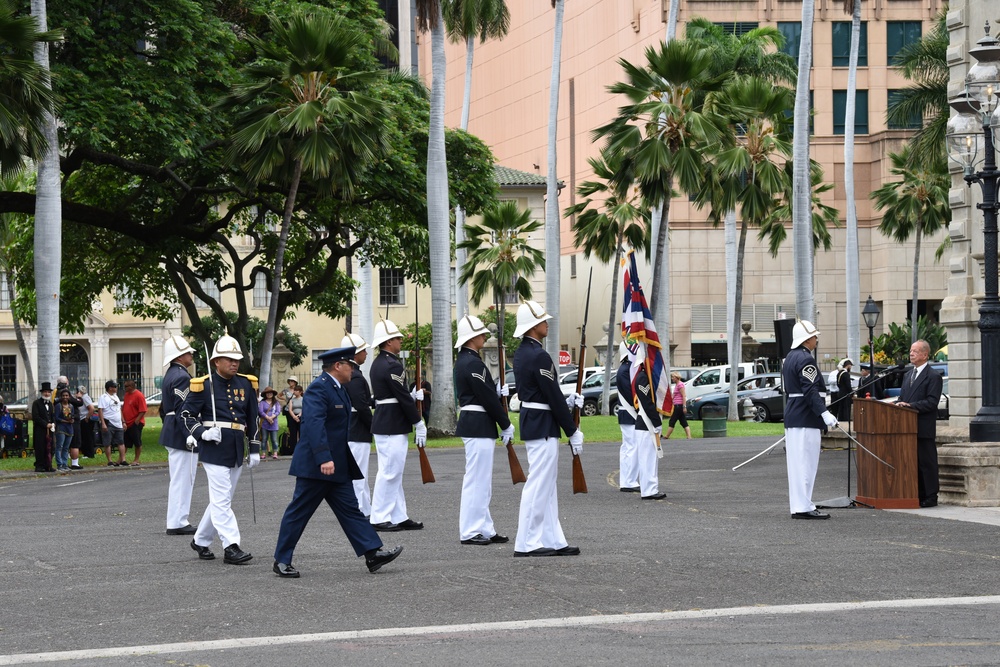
(579, 482)
(516, 473)
(426, 474)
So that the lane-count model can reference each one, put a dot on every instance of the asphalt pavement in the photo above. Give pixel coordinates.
(715, 574)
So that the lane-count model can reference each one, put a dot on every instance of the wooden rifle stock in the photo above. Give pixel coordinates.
(426, 474)
(516, 472)
(579, 481)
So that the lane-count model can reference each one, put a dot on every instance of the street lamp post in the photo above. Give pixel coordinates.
(972, 128)
(871, 313)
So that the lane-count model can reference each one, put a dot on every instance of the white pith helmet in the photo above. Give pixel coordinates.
(174, 347)
(529, 314)
(385, 330)
(802, 331)
(622, 351)
(469, 327)
(355, 341)
(227, 347)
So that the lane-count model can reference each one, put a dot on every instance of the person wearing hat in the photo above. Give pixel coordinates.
(395, 416)
(479, 415)
(359, 439)
(324, 469)
(806, 417)
(269, 410)
(628, 466)
(845, 392)
(43, 423)
(109, 413)
(220, 415)
(870, 386)
(182, 459)
(544, 410)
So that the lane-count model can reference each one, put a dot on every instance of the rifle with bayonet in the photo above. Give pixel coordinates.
(579, 482)
(516, 472)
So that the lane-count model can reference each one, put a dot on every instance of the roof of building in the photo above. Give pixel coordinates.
(510, 177)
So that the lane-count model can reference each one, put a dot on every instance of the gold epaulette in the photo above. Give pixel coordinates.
(252, 378)
(198, 383)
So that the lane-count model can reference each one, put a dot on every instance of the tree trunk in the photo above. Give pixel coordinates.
(461, 289)
(852, 280)
(802, 239)
(19, 336)
(734, 362)
(553, 221)
(48, 227)
(349, 270)
(366, 312)
(732, 320)
(916, 280)
(442, 415)
(612, 328)
(672, 20)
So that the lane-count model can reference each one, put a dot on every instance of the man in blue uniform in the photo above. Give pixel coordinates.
(479, 415)
(325, 469)
(220, 415)
(628, 467)
(360, 437)
(806, 417)
(395, 416)
(183, 462)
(543, 412)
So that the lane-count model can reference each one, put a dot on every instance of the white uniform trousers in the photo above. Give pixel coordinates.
(628, 470)
(183, 468)
(218, 518)
(362, 454)
(388, 501)
(647, 463)
(538, 520)
(477, 489)
(802, 447)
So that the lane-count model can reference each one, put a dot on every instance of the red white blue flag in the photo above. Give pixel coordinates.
(645, 352)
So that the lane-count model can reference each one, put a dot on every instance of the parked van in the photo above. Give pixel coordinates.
(713, 379)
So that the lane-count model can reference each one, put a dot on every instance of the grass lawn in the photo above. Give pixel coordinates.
(595, 429)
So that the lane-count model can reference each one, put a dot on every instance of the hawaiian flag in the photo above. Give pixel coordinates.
(639, 333)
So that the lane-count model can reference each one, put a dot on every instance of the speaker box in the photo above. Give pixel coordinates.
(783, 336)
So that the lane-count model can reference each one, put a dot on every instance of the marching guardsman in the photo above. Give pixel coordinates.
(544, 411)
(359, 439)
(480, 413)
(178, 355)
(806, 417)
(628, 468)
(220, 415)
(395, 416)
(647, 426)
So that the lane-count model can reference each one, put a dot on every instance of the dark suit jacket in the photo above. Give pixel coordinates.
(537, 382)
(923, 396)
(326, 416)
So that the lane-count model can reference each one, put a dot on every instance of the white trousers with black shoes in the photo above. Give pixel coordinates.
(183, 468)
(362, 454)
(538, 524)
(477, 489)
(802, 446)
(628, 469)
(219, 519)
(388, 501)
(646, 462)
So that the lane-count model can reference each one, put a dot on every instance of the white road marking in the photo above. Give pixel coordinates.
(83, 481)
(566, 622)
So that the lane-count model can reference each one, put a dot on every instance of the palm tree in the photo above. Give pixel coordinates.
(466, 20)
(852, 280)
(802, 248)
(916, 205)
(821, 216)
(603, 228)
(306, 114)
(552, 220)
(500, 256)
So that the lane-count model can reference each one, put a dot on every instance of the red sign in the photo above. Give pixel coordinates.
(564, 358)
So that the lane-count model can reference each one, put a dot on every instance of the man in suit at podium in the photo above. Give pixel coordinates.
(921, 391)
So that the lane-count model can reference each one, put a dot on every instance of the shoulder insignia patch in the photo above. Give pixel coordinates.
(480, 376)
(810, 373)
(181, 394)
(398, 378)
(548, 373)
(644, 388)
(198, 383)
(252, 378)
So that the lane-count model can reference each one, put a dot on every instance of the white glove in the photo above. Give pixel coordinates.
(213, 434)
(52, 427)
(503, 390)
(191, 443)
(507, 434)
(253, 461)
(420, 433)
(829, 419)
(417, 394)
(576, 441)
(658, 430)
(574, 400)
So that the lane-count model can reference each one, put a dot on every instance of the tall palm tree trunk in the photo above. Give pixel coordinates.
(914, 334)
(366, 309)
(734, 333)
(852, 275)
(732, 320)
(461, 290)
(802, 239)
(553, 223)
(612, 328)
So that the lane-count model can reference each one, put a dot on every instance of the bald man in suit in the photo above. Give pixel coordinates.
(921, 391)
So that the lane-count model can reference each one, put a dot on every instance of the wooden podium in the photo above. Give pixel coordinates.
(890, 432)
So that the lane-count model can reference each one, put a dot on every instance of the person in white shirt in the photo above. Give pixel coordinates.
(109, 412)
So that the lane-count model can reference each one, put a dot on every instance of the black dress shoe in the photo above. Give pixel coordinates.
(815, 514)
(235, 555)
(568, 550)
(381, 557)
(285, 570)
(478, 539)
(183, 530)
(76, 467)
(499, 539)
(204, 553)
(930, 502)
(541, 552)
(386, 527)
(655, 496)
(410, 524)
(629, 489)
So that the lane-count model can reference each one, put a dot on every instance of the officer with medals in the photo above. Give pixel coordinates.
(395, 416)
(806, 417)
(324, 468)
(628, 466)
(544, 410)
(360, 437)
(220, 415)
(178, 355)
(480, 412)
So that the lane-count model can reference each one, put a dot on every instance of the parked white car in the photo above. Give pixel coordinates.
(714, 379)
(567, 381)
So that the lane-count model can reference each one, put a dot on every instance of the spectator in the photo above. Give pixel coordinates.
(3, 411)
(88, 418)
(44, 424)
(134, 412)
(74, 446)
(109, 412)
(65, 415)
(288, 393)
(295, 416)
(269, 410)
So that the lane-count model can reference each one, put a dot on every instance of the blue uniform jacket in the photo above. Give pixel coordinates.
(326, 412)
(361, 406)
(806, 390)
(235, 403)
(389, 381)
(475, 386)
(623, 380)
(175, 388)
(645, 395)
(537, 382)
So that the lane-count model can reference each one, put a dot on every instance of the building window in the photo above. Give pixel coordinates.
(4, 295)
(391, 287)
(317, 367)
(123, 301)
(211, 291)
(792, 32)
(899, 35)
(737, 28)
(914, 122)
(8, 378)
(129, 367)
(572, 266)
(261, 297)
(860, 111)
(842, 44)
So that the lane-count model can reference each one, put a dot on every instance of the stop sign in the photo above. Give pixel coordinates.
(564, 358)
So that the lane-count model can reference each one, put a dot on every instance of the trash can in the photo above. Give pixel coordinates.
(713, 421)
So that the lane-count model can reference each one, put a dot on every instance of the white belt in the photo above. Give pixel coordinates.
(629, 410)
(535, 406)
(472, 408)
(230, 425)
(354, 409)
(822, 394)
(170, 414)
(386, 401)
